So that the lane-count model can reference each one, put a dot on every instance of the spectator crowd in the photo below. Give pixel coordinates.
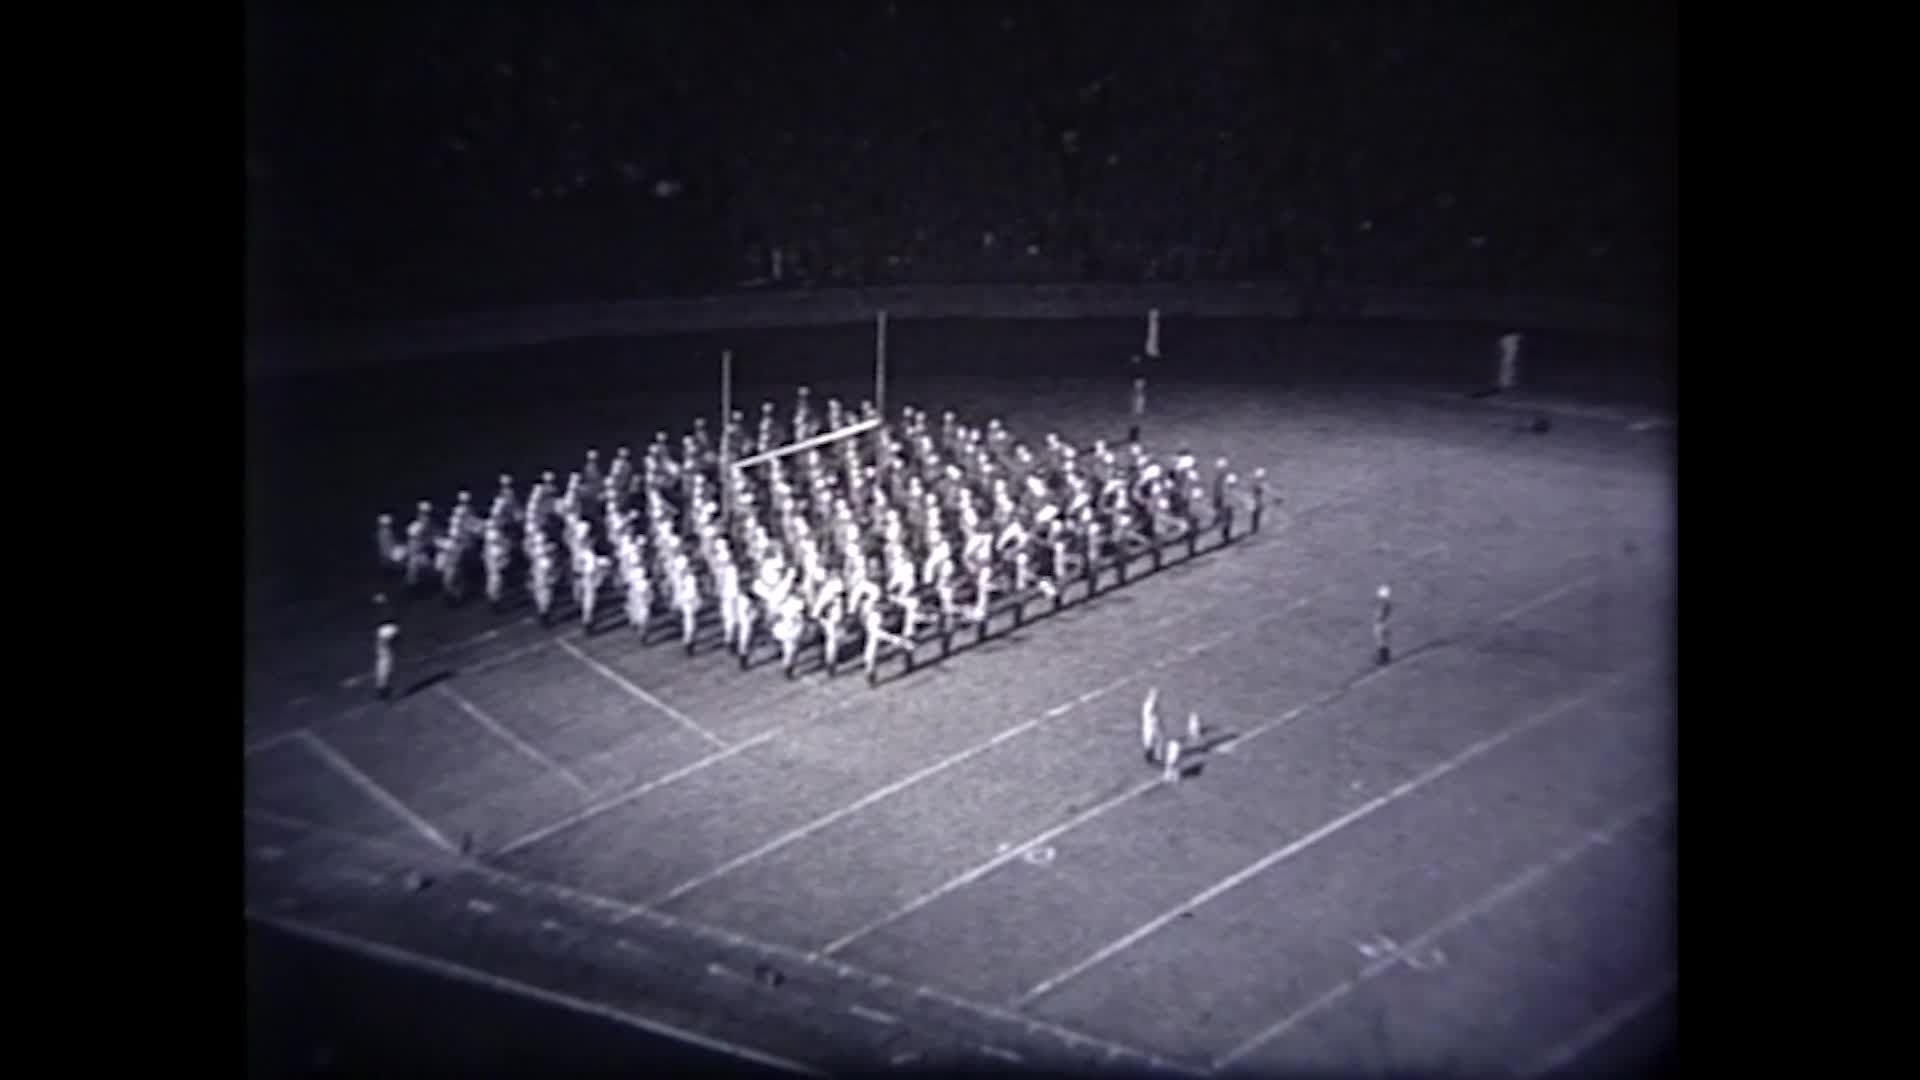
(424, 158)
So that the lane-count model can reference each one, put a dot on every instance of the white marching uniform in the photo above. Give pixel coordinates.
(639, 599)
(419, 551)
(494, 555)
(1150, 723)
(447, 562)
(686, 597)
(383, 644)
(598, 566)
(1382, 632)
(788, 624)
(542, 573)
(391, 551)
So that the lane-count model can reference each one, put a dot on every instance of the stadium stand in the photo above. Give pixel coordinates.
(662, 150)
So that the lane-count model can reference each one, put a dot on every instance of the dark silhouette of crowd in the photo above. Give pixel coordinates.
(434, 157)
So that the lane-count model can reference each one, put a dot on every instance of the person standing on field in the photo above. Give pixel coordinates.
(384, 638)
(1150, 724)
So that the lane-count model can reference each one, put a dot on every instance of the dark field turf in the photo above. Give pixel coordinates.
(1459, 863)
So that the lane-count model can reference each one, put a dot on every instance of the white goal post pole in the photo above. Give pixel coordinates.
(880, 365)
(849, 431)
(726, 440)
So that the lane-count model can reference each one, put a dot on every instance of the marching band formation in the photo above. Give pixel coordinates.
(864, 541)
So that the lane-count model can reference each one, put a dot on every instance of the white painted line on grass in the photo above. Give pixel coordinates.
(271, 741)
(1233, 742)
(614, 802)
(985, 868)
(871, 980)
(854, 807)
(1008, 854)
(623, 683)
(874, 1015)
(362, 679)
(447, 969)
(973, 751)
(1358, 813)
(1409, 952)
(1603, 1028)
(379, 794)
(532, 754)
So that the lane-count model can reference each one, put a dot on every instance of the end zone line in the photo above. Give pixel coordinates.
(623, 683)
(968, 877)
(379, 794)
(481, 717)
(1512, 887)
(394, 955)
(1358, 813)
(871, 980)
(1601, 1029)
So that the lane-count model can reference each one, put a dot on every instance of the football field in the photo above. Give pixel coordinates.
(1460, 861)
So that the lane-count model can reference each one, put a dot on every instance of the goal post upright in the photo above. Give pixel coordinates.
(880, 364)
(726, 439)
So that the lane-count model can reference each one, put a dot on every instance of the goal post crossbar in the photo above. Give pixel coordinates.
(732, 468)
(848, 432)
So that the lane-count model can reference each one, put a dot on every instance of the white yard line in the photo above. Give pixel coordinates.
(1358, 813)
(951, 760)
(379, 794)
(1520, 883)
(354, 681)
(614, 802)
(1019, 850)
(977, 749)
(869, 980)
(407, 958)
(623, 683)
(588, 813)
(1603, 1028)
(532, 753)
(270, 741)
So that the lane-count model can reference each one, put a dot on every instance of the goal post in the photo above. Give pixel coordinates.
(860, 427)
(731, 468)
